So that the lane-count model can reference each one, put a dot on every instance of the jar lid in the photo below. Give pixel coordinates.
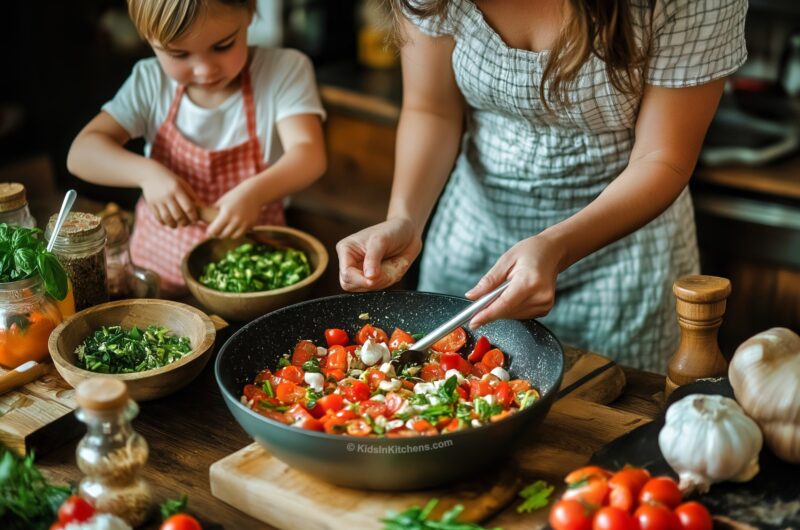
(78, 227)
(12, 196)
(101, 394)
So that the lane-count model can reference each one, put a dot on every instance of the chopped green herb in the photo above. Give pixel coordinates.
(251, 268)
(112, 350)
(447, 392)
(312, 365)
(527, 398)
(536, 495)
(416, 518)
(272, 406)
(417, 336)
(284, 362)
(312, 397)
(266, 386)
(485, 410)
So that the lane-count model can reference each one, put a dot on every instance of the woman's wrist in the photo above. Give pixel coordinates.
(558, 242)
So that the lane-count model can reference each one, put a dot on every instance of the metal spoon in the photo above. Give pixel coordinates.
(418, 352)
(66, 206)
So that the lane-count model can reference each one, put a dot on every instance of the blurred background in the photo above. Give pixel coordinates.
(63, 60)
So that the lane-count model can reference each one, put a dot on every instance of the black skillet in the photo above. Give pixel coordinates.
(392, 464)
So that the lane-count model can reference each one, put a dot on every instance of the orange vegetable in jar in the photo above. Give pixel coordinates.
(25, 339)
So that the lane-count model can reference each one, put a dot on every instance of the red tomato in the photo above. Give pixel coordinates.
(335, 374)
(394, 402)
(452, 342)
(694, 516)
(332, 402)
(519, 385)
(609, 518)
(570, 515)
(354, 390)
(650, 517)
(400, 338)
(424, 427)
(371, 408)
(431, 372)
(623, 498)
(336, 337)
(494, 358)
(180, 521)
(479, 388)
(593, 490)
(291, 373)
(374, 378)
(358, 427)
(371, 332)
(254, 393)
(632, 477)
(480, 369)
(450, 361)
(303, 351)
(263, 375)
(289, 392)
(346, 414)
(303, 419)
(334, 425)
(503, 394)
(582, 473)
(75, 509)
(57, 526)
(337, 358)
(661, 490)
(464, 394)
(481, 347)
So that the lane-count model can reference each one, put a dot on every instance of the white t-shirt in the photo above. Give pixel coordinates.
(283, 85)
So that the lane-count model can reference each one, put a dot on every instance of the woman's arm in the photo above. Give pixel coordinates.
(428, 139)
(303, 161)
(670, 128)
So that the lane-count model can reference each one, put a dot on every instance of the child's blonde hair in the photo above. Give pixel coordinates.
(164, 21)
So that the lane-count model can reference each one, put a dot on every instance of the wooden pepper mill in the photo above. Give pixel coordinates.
(700, 305)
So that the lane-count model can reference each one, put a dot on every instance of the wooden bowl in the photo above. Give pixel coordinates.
(180, 319)
(244, 307)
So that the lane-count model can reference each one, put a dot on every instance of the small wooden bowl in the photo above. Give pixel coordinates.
(180, 319)
(247, 306)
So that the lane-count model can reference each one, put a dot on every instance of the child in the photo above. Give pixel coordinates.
(578, 123)
(226, 126)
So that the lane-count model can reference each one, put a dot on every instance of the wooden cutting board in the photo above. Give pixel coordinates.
(262, 486)
(38, 414)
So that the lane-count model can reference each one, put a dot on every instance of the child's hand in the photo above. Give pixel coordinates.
(169, 197)
(532, 265)
(378, 256)
(238, 212)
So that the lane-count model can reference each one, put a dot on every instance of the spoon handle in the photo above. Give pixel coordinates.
(464, 316)
(66, 206)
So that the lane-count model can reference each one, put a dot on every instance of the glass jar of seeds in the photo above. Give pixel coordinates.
(80, 247)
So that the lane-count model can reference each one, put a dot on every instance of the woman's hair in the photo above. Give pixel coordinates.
(603, 28)
(164, 21)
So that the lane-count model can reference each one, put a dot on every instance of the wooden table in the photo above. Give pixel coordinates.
(191, 429)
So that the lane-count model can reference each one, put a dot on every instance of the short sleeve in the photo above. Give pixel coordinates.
(695, 41)
(433, 25)
(296, 92)
(134, 104)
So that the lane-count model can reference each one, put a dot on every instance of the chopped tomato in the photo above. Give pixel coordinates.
(334, 425)
(479, 388)
(399, 339)
(394, 402)
(480, 369)
(291, 373)
(454, 425)
(289, 392)
(354, 390)
(303, 351)
(431, 372)
(374, 378)
(402, 432)
(332, 402)
(452, 342)
(263, 375)
(503, 394)
(254, 393)
(336, 337)
(346, 414)
(335, 374)
(358, 427)
(450, 361)
(493, 358)
(274, 415)
(424, 427)
(462, 393)
(371, 332)
(372, 408)
(303, 419)
(337, 358)
(481, 347)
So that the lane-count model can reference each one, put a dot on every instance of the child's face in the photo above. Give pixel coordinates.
(212, 52)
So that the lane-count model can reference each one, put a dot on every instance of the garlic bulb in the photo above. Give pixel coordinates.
(708, 439)
(765, 375)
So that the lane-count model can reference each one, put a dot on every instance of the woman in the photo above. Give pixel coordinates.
(574, 126)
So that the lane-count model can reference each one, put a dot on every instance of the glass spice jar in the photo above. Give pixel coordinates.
(14, 209)
(80, 247)
(111, 454)
(27, 316)
(125, 280)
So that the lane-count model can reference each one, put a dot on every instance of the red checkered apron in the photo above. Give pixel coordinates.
(210, 174)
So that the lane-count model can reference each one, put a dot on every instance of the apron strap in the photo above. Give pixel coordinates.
(176, 102)
(249, 105)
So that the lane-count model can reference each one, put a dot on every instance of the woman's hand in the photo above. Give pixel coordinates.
(239, 209)
(532, 265)
(169, 197)
(378, 256)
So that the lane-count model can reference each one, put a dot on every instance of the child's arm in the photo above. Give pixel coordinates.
(303, 161)
(97, 155)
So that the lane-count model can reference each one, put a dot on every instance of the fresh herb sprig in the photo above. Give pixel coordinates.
(113, 350)
(23, 253)
(172, 506)
(536, 495)
(27, 500)
(251, 268)
(416, 518)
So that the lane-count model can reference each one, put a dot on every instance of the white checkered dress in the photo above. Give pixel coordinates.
(522, 170)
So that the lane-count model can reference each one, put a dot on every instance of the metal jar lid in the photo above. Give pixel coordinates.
(80, 230)
(12, 196)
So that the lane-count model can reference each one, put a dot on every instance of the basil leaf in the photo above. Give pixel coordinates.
(53, 275)
(25, 260)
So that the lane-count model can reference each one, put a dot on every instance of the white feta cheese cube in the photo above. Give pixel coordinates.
(322, 352)
(388, 369)
(391, 385)
(500, 373)
(453, 372)
(314, 380)
(424, 388)
(374, 352)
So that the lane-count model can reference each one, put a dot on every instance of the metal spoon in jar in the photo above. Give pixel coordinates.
(418, 352)
(66, 206)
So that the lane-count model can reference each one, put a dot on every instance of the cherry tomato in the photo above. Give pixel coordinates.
(57, 526)
(449, 361)
(337, 358)
(479, 388)
(424, 427)
(263, 375)
(661, 490)
(570, 515)
(181, 521)
(332, 402)
(334, 425)
(494, 358)
(480, 369)
(336, 337)
(694, 516)
(583, 473)
(372, 408)
(610, 518)
(623, 498)
(289, 392)
(254, 393)
(292, 373)
(400, 338)
(358, 427)
(481, 347)
(431, 372)
(303, 419)
(75, 509)
(519, 385)
(592, 490)
(625, 487)
(652, 517)
(374, 378)
(303, 351)
(371, 332)
(394, 402)
(354, 390)
(452, 342)
(503, 394)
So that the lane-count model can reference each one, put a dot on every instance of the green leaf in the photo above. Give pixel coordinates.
(172, 506)
(53, 275)
(536, 495)
(25, 260)
(416, 518)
